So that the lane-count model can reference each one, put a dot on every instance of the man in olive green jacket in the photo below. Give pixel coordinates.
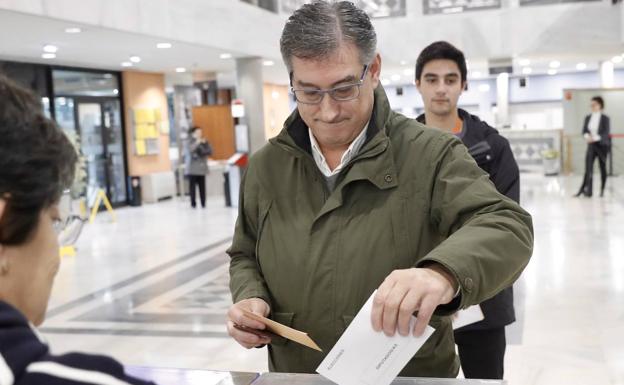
(351, 197)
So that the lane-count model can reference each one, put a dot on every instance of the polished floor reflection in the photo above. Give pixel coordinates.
(151, 289)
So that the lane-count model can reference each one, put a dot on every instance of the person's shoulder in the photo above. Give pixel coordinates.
(404, 131)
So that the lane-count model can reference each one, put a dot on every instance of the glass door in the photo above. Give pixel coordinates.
(99, 125)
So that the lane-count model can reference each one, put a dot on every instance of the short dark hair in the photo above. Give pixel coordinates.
(599, 100)
(316, 30)
(37, 162)
(441, 50)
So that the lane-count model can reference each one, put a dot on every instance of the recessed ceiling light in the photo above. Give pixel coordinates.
(555, 64)
(268, 63)
(73, 30)
(581, 66)
(476, 74)
(395, 77)
(552, 72)
(617, 59)
(116, 91)
(49, 48)
(484, 87)
(180, 69)
(225, 56)
(48, 55)
(525, 62)
(135, 59)
(527, 70)
(126, 64)
(385, 81)
(408, 72)
(163, 45)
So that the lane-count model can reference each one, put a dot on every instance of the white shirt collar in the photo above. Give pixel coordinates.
(353, 149)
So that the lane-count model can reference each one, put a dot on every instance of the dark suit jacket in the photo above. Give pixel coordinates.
(604, 129)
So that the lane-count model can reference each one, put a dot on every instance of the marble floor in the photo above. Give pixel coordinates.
(151, 289)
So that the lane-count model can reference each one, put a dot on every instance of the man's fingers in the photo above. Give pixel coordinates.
(236, 315)
(410, 304)
(379, 302)
(391, 309)
(427, 307)
(244, 338)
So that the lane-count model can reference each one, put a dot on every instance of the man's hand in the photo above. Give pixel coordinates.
(405, 291)
(244, 330)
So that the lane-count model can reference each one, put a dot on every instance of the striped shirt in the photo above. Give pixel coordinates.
(25, 359)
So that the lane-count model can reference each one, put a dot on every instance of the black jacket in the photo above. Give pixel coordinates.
(604, 129)
(25, 359)
(493, 154)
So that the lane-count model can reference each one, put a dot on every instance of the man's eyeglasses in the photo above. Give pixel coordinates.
(339, 94)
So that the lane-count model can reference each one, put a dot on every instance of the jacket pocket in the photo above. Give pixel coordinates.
(264, 213)
(285, 319)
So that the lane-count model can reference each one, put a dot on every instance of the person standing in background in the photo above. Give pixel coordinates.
(197, 151)
(441, 79)
(596, 131)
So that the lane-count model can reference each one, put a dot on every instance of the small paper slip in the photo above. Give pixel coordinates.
(363, 356)
(284, 331)
(468, 316)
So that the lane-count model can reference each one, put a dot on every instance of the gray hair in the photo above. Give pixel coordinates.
(316, 30)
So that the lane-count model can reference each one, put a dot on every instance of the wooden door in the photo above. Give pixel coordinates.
(217, 127)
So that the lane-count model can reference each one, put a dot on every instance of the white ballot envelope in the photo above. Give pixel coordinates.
(363, 356)
(468, 316)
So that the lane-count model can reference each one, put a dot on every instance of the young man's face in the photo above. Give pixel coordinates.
(440, 86)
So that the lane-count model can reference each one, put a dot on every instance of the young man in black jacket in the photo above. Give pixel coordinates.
(441, 78)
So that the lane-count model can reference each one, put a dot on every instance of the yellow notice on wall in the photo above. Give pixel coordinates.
(140, 147)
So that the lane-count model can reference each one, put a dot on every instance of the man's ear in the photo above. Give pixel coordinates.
(375, 70)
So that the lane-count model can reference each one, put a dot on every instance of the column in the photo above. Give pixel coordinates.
(249, 88)
(502, 99)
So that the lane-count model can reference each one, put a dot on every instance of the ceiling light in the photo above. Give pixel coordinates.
(180, 70)
(525, 62)
(408, 72)
(385, 82)
(49, 48)
(617, 59)
(225, 56)
(395, 77)
(73, 30)
(552, 72)
(126, 64)
(476, 74)
(163, 45)
(581, 66)
(135, 59)
(484, 87)
(555, 64)
(268, 63)
(116, 91)
(403, 62)
(48, 55)
(527, 70)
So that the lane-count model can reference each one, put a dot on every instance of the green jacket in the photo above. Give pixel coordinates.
(410, 196)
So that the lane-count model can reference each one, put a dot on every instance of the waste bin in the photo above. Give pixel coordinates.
(232, 175)
(135, 191)
(550, 159)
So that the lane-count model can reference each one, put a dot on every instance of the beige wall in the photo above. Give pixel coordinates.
(276, 108)
(145, 90)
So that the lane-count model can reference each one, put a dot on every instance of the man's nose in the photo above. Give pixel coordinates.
(329, 109)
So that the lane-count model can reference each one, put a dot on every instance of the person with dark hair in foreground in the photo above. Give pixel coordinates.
(441, 79)
(596, 131)
(37, 164)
